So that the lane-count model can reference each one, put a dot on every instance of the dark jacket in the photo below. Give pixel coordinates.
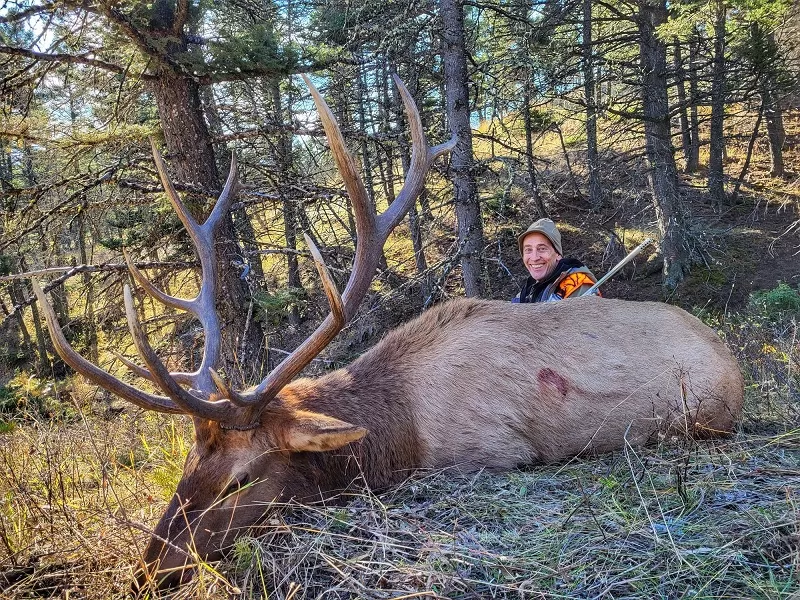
(570, 279)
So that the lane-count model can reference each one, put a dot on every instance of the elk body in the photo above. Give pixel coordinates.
(470, 384)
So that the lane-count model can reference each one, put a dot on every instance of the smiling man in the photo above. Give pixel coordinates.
(552, 277)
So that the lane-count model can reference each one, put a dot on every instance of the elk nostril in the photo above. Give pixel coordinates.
(186, 575)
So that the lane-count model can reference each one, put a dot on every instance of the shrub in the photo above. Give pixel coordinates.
(763, 337)
(776, 304)
(274, 307)
(26, 397)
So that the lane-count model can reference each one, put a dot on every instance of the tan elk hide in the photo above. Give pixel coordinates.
(470, 384)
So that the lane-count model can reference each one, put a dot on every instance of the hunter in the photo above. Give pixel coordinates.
(552, 277)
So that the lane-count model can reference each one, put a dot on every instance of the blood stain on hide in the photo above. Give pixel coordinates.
(548, 377)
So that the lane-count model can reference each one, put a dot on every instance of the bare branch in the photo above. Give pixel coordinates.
(111, 267)
(61, 58)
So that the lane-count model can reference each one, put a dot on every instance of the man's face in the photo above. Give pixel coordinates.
(539, 256)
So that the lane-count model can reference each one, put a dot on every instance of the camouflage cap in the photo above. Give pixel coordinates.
(548, 229)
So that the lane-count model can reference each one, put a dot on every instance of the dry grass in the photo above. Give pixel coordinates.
(76, 499)
(714, 519)
(710, 520)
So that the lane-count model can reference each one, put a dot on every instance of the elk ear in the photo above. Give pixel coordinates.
(315, 432)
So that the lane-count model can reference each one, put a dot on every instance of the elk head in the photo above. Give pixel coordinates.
(240, 461)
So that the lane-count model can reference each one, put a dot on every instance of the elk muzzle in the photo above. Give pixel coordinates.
(181, 539)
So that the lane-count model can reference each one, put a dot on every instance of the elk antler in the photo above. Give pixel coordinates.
(371, 233)
(240, 410)
(95, 373)
(196, 400)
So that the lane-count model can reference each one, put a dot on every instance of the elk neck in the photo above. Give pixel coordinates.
(364, 396)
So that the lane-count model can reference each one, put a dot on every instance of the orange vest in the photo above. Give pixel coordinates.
(574, 281)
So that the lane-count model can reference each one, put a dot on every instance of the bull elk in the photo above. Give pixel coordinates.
(471, 384)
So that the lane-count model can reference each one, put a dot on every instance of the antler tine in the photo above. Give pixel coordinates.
(202, 306)
(94, 373)
(215, 411)
(134, 368)
(313, 345)
(156, 293)
(179, 303)
(334, 299)
(184, 378)
(225, 198)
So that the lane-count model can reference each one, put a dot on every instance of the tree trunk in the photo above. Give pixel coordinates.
(44, 366)
(366, 154)
(414, 217)
(693, 162)
(288, 204)
(17, 295)
(595, 189)
(767, 62)
(420, 262)
(17, 345)
(526, 115)
(773, 114)
(775, 130)
(662, 172)
(90, 326)
(191, 155)
(19, 291)
(23, 289)
(716, 181)
(6, 173)
(750, 145)
(468, 216)
(567, 161)
(680, 86)
(385, 155)
(362, 98)
(51, 249)
(342, 91)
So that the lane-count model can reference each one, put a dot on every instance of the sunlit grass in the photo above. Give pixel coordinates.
(694, 518)
(76, 497)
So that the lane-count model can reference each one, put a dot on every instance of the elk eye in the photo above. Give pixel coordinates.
(237, 484)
